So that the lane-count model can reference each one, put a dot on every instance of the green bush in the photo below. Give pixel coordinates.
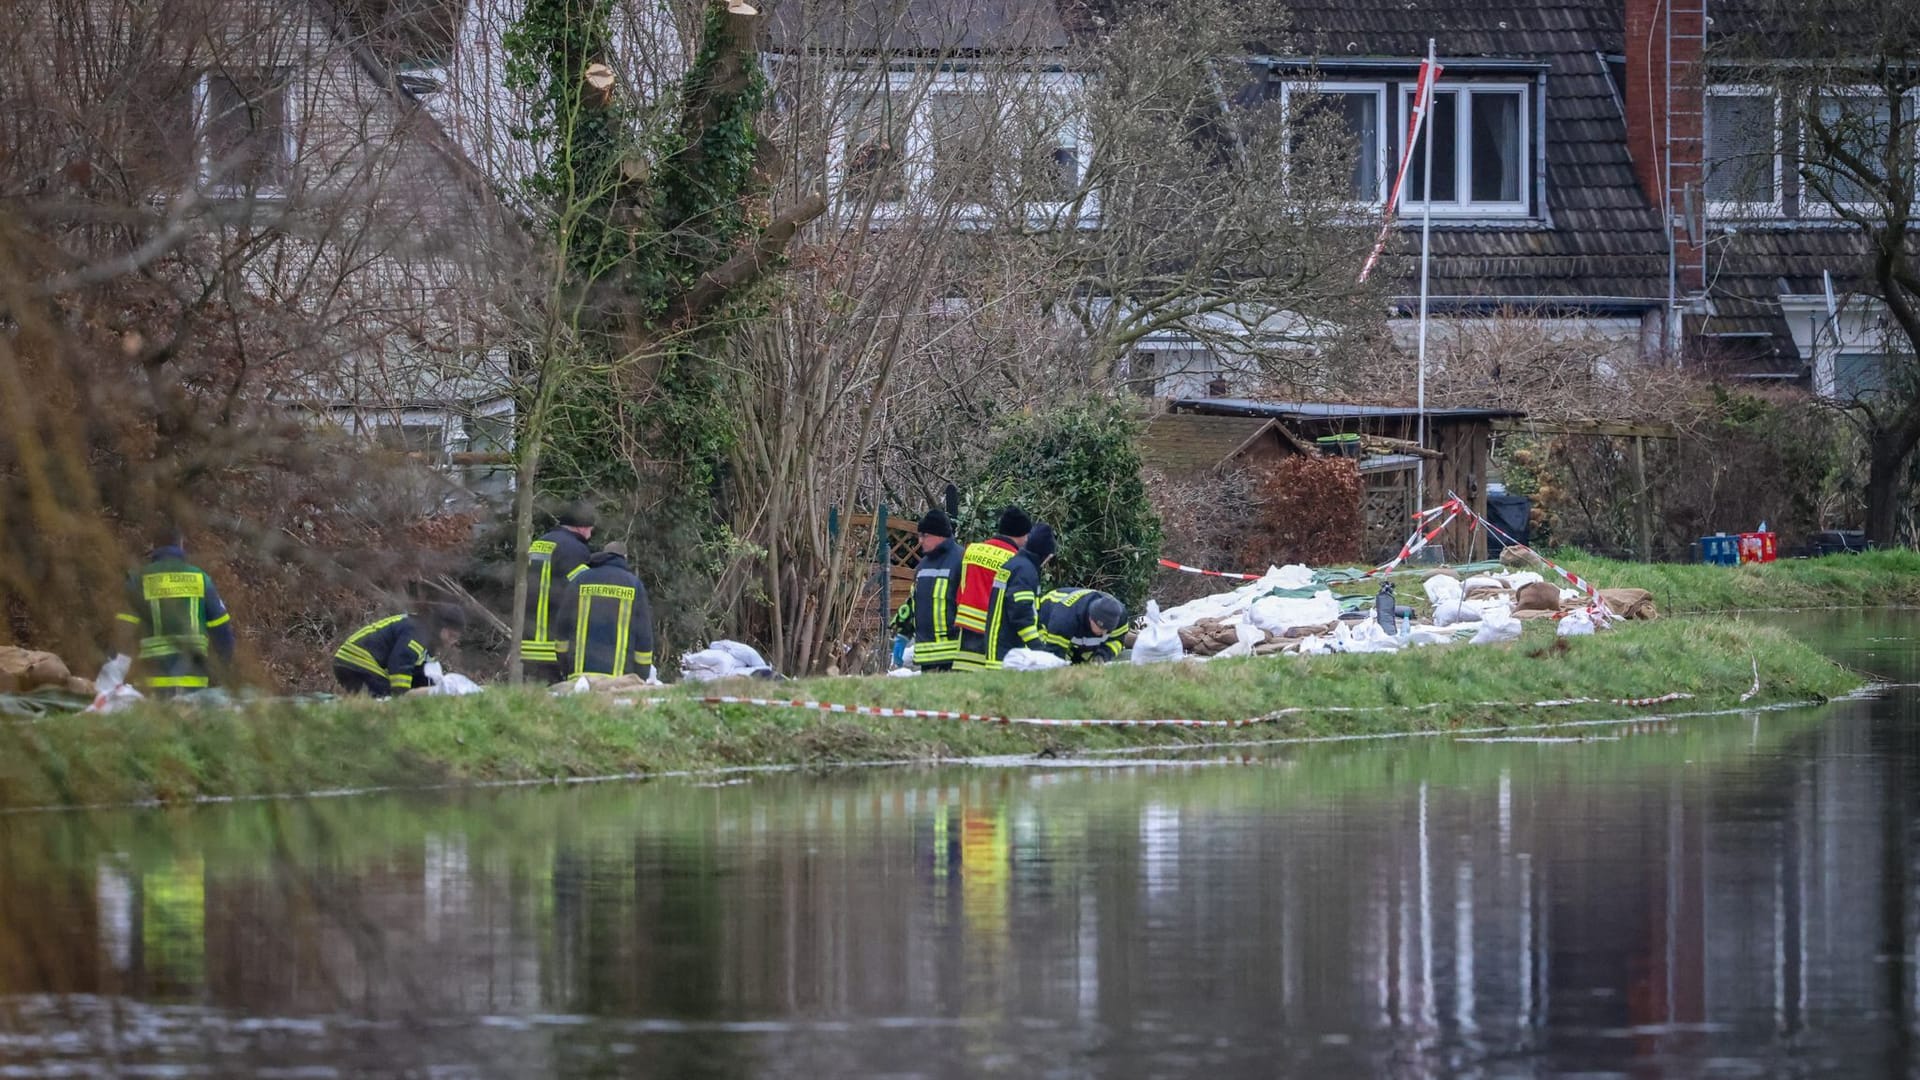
(1078, 470)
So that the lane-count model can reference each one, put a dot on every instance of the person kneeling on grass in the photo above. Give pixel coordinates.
(389, 656)
(1081, 625)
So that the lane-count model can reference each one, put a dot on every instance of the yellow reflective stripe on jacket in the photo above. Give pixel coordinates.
(540, 651)
(221, 621)
(1027, 633)
(177, 682)
(173, 585)
(623, 597)
(988, 556)
(400, 681)
(173, 645)
(127, 617)
(541, 551)
(940, 589)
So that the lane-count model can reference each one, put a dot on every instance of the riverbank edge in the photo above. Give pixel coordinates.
(1866, 580)
(170, 753)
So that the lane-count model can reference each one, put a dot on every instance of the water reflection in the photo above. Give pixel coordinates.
(1712, 897)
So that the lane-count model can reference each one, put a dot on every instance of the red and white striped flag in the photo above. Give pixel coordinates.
(1422, 105)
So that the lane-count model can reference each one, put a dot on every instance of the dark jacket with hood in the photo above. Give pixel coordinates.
(1066, 627)
(1012, 617)
(603, 624)
(180, 620)
(393, 650)
(936, 634)
(550, 561)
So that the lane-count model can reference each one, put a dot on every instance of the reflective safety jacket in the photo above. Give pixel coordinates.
(392, 649)
(1011, 622)
(930, 612)
(982, 568)
(179, 615)
(550, 561)
(1064, 629)
(603, 622)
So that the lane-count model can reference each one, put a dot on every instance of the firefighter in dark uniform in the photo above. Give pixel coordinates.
(389, 656)
(929, 614)
(1082, 625)
(550, 561)
(604, 624)
(185, 632)
(1012, 616)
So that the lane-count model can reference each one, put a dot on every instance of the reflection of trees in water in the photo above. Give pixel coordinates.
(1775, 886)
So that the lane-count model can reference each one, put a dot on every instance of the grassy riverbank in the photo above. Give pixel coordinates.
(1871, 579)
(173, 753)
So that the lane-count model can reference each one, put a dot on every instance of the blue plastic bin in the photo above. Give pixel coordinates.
(1720, 550)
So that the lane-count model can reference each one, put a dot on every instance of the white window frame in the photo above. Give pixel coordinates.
(1812, 206)
(1733, 209)
(1463, 205)
(202, 119)
(916, 92)
(1383, 161)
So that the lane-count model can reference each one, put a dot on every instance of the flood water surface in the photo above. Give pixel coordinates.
(1724, 896)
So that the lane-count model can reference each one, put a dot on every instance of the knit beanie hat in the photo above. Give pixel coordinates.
(1014, 522)
(1111, 614)
(936, 523)
(1040, 542)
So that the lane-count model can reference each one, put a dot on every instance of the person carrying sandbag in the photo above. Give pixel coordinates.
(1082, 625)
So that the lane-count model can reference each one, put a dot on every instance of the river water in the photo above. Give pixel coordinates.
(1715, 896)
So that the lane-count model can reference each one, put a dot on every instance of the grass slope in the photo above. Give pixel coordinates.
(172, 753)
(1871, 579)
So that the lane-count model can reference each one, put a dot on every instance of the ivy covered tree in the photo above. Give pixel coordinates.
(654, 217)
(1077, 469)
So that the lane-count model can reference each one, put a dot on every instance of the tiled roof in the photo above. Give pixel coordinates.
(1602, 238)
(1183, 442)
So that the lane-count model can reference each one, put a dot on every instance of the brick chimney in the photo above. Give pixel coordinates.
(1665, 95)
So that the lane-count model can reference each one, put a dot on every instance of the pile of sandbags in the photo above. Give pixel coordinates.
(725, 660)
(603, 684)
(26, 670)
(1284, 598)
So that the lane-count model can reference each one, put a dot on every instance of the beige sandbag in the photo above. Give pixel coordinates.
(1630, 603)
(1535, 613)
(1489, 592)
(15, 661)
(1516, 557)
(1537, 596)
(605, 684)
(1445, 571)
(47, 670)
(79, 687)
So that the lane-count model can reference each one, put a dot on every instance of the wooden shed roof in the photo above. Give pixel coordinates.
(1181, 442)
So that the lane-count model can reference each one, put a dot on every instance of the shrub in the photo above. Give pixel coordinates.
(1305, 510)
(1077, 469)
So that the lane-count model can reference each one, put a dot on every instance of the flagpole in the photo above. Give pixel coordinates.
(1426, 239)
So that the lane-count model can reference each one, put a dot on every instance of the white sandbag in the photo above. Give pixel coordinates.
(745, 655)
(1159, 640)
(1455, 612)
(1367, 636)
(1442, 589)
(1222, 605)
(453, 684)
(1481, 581)
(1575, 624)
(1497, 624)
(1519, 579)
(1032, 660)
(1571, 596)
(1280, 614)
(902, 673)
(1246, 636)
(707, 665)
(111, 690)
(1436, 635)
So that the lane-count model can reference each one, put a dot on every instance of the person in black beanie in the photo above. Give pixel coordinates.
(929, 614)
(982, 590)
(1013, 620)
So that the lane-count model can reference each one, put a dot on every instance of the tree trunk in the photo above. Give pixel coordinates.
(1886, 461)
(522, 539)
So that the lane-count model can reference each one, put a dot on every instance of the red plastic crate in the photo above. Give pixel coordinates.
(1758, 547)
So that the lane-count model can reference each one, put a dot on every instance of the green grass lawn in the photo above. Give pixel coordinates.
(176, 752)
(1870, 579)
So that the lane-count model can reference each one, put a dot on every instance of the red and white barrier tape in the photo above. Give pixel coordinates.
(937, 714)
(1422, 536)
(1171, 565)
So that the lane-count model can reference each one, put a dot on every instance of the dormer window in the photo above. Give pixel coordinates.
(1480, 150)
(245, 133)
(1743, 151)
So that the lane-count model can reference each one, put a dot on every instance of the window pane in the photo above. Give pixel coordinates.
(1857, 126)
(1047, 153)
(874, 165)
(963, 128)
(1353, 116)
(1740, 148)
(246, 131)
(1445, 126)
(1495, 162)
